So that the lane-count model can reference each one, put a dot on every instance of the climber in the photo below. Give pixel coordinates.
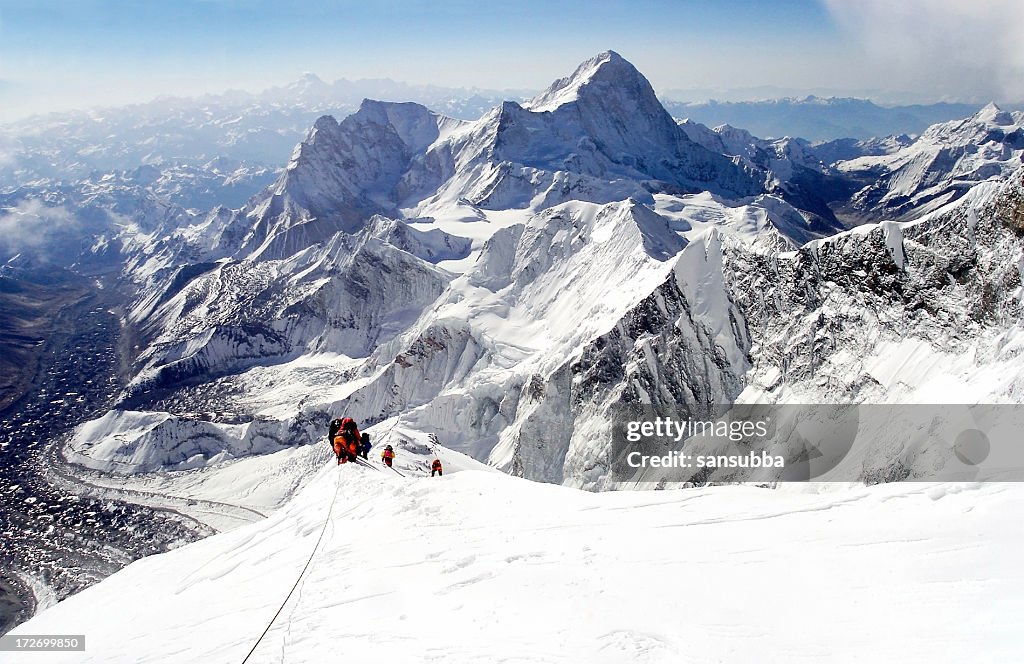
(332, 433)
(339, 446)
(365, 445)
(387, 456)
(346, 440)
(436, 468)
(333, 430)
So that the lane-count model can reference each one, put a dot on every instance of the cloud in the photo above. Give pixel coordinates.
(949, 47)
(32, 225)
(9, 151)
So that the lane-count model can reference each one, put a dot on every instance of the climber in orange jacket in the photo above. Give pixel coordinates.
(436, 468)
(346, 440)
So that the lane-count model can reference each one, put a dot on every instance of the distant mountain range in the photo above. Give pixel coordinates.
(819, 118)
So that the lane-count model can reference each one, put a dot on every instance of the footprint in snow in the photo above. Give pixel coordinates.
(462, 563)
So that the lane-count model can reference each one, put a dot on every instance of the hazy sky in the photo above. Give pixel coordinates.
(57, 54)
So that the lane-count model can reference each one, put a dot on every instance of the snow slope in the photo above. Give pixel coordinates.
(482, 567)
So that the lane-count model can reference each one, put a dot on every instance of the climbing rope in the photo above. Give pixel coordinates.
(316, 547)
(367, 464)
(337, 487)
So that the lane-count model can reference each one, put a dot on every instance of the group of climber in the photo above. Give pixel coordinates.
(349, 445)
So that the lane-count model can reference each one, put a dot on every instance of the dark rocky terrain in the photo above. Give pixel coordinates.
(62, 539)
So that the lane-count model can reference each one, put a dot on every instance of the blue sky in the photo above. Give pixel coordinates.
(55, 54)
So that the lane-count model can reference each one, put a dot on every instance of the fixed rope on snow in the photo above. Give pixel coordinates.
(323, 530)
(320, 538)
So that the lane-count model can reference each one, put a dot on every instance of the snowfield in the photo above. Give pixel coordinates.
(478, 566)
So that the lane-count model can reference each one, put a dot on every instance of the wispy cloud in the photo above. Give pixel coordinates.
(952, 47)
(31, 224)
(7, 154)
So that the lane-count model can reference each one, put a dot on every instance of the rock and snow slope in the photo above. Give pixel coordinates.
(547, 266)
(481, 567)
(689, 302)
(941, 165)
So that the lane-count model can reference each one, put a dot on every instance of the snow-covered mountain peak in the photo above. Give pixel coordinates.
(600, 129)
(941, 165)
(323, 130)
(323, 123)
(414, 123)
(991, 123)
(993, 115)
(362, 158)
(595, 77)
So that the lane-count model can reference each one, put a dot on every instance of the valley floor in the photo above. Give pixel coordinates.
(481, 567)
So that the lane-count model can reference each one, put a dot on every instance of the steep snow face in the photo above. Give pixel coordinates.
(602, 69)
(325, 299)
(407, 569)
(615, 106)
(511, 361)
(536, 293)
(682, 348)
(524, 357)
(941, 165)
